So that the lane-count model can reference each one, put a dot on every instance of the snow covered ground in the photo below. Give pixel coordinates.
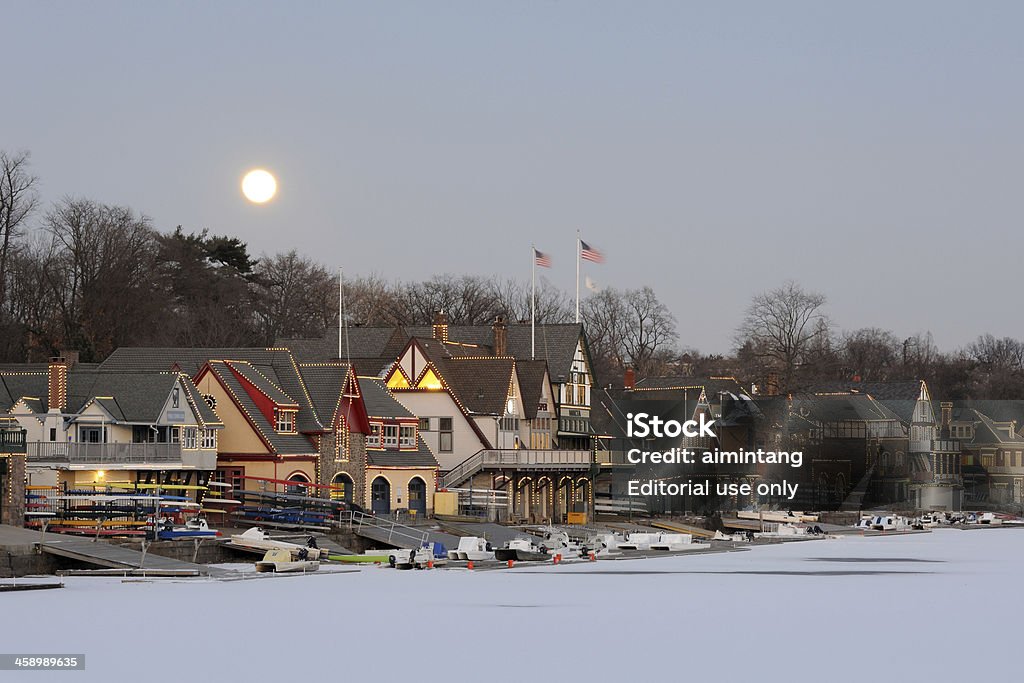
(944, 606)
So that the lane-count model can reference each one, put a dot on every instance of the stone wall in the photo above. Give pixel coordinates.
(13, 493)
(354, 467)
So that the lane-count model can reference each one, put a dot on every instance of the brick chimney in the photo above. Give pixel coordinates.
(947, 416)
(500, 336)
(440, 326)
(57, 396)
(771, 384)
(629, 378)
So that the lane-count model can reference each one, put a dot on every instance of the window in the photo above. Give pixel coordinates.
(373, 438)
(444, 439)
(175, 397)
(175, 435)
(407, 436)
(389, 436)
(190, 438)
(209, 439)
(53, 433)
(286, 421)
(424, 424)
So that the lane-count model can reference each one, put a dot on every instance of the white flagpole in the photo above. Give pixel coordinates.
(533, 303)
(577, 275)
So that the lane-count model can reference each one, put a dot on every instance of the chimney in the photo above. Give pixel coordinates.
(441, 326)
(947, 416)
(500, 336)
(57, 396)
(771, 385)
(629, 378)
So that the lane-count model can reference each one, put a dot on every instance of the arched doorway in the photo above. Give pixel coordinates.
(380, 496)
(298, 487)
(344, 485)
(418, 496)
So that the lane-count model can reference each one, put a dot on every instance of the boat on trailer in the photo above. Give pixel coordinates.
(257, 538)
(522, 550)
(280, 560)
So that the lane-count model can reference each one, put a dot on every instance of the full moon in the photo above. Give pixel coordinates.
(259, 186)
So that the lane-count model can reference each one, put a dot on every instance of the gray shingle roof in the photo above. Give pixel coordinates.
(285, 444)
(379, 401)
(421, 457)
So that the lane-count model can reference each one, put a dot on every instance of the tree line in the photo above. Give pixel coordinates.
(90, 277)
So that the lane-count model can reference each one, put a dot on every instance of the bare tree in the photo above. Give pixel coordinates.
(18, 199)
(102, 262)
(871, 353)
(650, 328)
(513, 300)
(782, 328)
(630, 326)
(297, 298)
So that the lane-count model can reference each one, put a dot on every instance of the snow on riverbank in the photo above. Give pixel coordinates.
(941, 607)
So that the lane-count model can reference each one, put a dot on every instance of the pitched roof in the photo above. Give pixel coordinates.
(325, 383)
(379, 401)
(840, 408)
(128, 397)
(556, 344)
(284, 444)
(421, 457)
(276, 371)
(532, 375)
(988, 432)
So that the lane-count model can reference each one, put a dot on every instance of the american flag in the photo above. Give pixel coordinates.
(589, 253)
(541, 259)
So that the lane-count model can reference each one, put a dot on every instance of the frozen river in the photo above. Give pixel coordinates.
(944, 606)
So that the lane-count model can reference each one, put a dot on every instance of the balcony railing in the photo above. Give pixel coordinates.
(12, 441)
(101, 454)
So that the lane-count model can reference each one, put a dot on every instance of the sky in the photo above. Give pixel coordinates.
(869, 151)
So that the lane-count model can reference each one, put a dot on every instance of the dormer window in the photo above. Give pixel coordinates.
(389, 436)
(407, 436)
(285, 421)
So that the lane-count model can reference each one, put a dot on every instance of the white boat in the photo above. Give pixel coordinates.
(258, 539)
(522, 550)
(890, 523)
(557, 542)
(639, 540)
(602, 545)
(408, 558)
(280, 560)
(472, 548)
(678, 542)
(744, 536)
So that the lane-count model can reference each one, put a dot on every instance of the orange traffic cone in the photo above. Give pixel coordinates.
(510, 563)
(593, 557)
(430, 564)
(469, 565)
(557, 559)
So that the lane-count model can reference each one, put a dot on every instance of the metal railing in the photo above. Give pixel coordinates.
(73, 453)
(387, 531)
(516, 458)
(12, 440)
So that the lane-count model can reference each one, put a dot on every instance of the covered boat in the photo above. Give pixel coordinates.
(472, 548)
(280, 560)
(258, 539)
(523, 550)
